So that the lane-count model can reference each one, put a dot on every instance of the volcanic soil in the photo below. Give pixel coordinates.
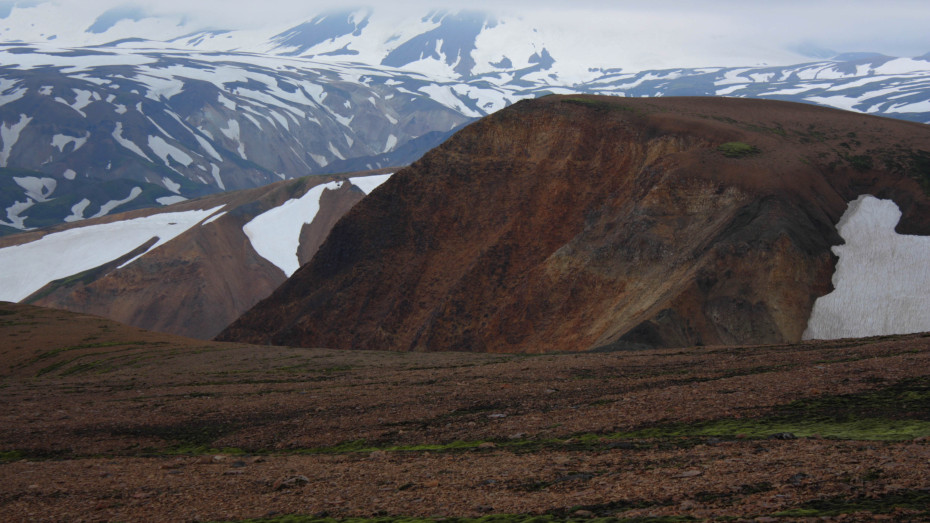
(104, 422)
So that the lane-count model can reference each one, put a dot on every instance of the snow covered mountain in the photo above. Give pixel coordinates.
(130, 108)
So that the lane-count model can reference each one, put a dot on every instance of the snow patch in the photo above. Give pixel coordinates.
(7, 97)
(118, 136)
(917, 107)
(10, 135)
(728, 90)
(233, 132)
(882, 279)
(171, 185)
(370, 183)
(163, 150)
(113, 204)
(77, 211)
(213, 218)
(69, 174)
(39, 189)
(275, 234)
(391, 143)
(62, 140)
(216, 177)
(205, 145)
(13, 214)
(838, 101)
(31, 266)
(170, 200)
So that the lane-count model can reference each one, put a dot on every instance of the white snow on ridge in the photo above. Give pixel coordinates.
(113, 204)
(170, 200)
(882, 279)
(838, 101)
(10, 135)
(29, 267)
(118, 136)
(275, 234)
(370, 183)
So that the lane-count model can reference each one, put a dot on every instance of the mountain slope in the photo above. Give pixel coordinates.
(162, 127)
(574, 223)
(190, 268)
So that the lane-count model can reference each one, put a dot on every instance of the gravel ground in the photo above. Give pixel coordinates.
(103, 422)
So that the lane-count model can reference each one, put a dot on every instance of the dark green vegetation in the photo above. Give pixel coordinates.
(738, 149)
(900, 412)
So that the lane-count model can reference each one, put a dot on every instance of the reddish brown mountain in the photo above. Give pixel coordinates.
(197, 282)
(576, 223)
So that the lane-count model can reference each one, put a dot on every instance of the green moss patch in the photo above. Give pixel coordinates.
(896, 413)
(738, 149)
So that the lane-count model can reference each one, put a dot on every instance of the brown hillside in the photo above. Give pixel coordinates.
(573, 223)
(199, 282)
(104, 422)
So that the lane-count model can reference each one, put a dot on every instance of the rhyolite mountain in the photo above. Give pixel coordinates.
(121, 110)
(573, 223)
(188, 268)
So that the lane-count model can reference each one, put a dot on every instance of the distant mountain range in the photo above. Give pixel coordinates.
(115, 111)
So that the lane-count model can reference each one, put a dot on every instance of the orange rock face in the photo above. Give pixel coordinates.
(579, 223)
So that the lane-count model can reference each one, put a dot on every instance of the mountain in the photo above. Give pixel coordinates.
(190, 268)
(82, 137)
(575, 223)
(103, 112)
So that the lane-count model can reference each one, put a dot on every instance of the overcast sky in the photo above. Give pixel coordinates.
(895, 27)
(899, 27)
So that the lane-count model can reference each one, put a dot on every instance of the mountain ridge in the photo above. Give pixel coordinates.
(491, 242)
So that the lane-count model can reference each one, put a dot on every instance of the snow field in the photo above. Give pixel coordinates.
(275, 234)
(882, 279)
(30, 266)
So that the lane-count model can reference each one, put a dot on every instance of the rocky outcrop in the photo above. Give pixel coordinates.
(579, 223)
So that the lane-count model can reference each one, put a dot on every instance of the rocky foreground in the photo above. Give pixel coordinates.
(103, 422)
